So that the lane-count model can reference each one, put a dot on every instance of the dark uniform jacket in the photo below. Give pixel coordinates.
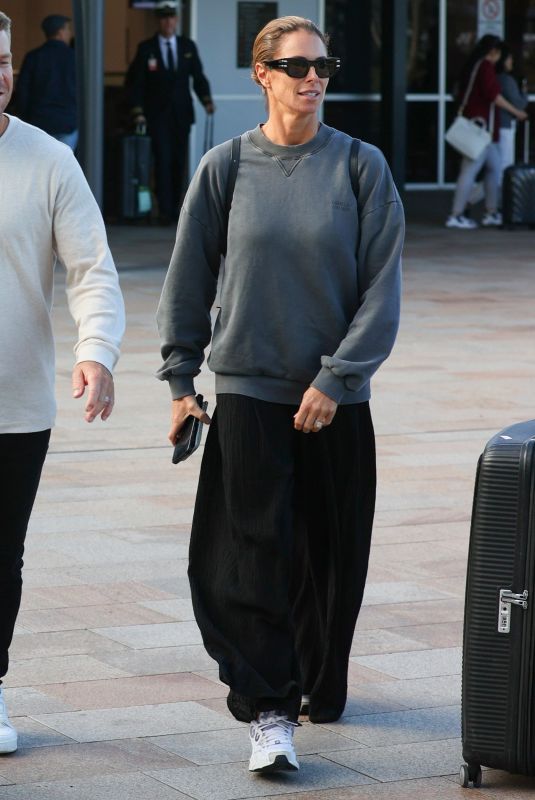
(46, 88)
(154, 90)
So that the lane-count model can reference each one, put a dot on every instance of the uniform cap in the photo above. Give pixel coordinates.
(166, 8)
(53, 23)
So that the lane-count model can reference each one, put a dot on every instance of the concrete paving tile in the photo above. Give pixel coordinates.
(93, 616)
(404, 761)
(135, 786)
(234, 781)
(504, 786)
(145, 690)
(428, 789)
(419, 664)
(27, 701)
(416, 693)
(76, 760)
(383, 641)
(397, 727)
(88, 595)
(357, 675)
(136, 721)
(33, 734)
(220, 747)
(60, 669)
(61, 643)
(439, 634)
(141, 637)
(162, 660)
(176, 608)
(387, 592)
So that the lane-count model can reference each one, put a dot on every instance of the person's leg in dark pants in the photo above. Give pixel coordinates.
(335, 501)
(180, 157)
(21, 461)
(162, 135)
(241, 554)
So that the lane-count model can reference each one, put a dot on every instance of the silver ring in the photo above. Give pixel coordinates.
(318, 424)
(106, 399)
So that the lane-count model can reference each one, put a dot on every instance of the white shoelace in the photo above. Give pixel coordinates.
(272, 729)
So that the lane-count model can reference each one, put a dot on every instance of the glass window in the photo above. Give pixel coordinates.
(421, 161)
(361, 119)
(422, 46)
(355, 29)
(461, 38)
(520, 36)
(452, 157)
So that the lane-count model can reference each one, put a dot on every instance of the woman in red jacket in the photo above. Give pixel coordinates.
(484, 103)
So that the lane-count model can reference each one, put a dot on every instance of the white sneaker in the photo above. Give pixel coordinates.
(272, 742)
(8, 734)
(460, 221)
(492, 219)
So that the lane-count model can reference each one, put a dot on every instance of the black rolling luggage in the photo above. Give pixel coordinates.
(136, 169)
(498, 696)
(518, 191)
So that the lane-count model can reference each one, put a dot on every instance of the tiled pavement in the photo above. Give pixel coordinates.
(109, 685)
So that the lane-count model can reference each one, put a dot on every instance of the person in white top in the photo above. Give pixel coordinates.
(47, 211)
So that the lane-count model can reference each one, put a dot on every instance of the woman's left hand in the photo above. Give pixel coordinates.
(316, 411)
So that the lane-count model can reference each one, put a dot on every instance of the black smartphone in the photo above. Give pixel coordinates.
(190, 435)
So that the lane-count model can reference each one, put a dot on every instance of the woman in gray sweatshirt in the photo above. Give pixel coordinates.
(310, 300)
(518, 98)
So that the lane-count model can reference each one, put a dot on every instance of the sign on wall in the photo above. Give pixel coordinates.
(490, 18)
(251, 19)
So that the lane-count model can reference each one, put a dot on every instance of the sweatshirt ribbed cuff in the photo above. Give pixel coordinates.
(92, 352)
(328, 383)
(181, 385)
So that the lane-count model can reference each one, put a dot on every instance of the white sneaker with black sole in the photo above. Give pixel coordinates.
(492, 219)
(272, 743)
(461, 222)
(8, 734)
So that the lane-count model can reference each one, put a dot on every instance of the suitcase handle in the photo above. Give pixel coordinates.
(526, 141)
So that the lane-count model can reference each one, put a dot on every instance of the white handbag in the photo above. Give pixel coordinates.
(470, 136)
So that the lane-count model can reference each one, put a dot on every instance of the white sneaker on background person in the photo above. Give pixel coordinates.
(460, 221)
(272, 743)
(492, 219)
(8, 734)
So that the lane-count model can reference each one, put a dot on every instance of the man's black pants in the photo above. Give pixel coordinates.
(21, 460)
(279, 553)
(170, 148)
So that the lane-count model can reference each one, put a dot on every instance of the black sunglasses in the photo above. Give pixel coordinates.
(298, 67)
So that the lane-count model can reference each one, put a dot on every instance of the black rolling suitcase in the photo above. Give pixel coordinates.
(136, 160)
(498, 695)
(518, 191)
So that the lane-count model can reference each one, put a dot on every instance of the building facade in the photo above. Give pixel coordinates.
(438, 36)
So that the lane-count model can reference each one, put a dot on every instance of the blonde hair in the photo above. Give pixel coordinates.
(5, 24)
(267, 41)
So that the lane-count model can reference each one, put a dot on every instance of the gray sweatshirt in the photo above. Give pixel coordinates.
(512, 93)
(310, 293)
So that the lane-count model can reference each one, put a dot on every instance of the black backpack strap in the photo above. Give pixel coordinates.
(231, 183)
(354, 167)
(354, 175)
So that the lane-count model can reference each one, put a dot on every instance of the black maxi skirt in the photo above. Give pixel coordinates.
(279, 553)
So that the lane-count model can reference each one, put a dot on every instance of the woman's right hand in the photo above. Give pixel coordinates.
(180, 411)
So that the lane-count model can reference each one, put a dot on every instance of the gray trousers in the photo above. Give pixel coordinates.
(490, 159)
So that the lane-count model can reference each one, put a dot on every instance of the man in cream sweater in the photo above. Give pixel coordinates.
(46, 211)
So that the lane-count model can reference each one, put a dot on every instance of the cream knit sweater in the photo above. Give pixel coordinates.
(48, 210)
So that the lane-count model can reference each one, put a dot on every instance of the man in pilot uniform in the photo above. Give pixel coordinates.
(158, 88)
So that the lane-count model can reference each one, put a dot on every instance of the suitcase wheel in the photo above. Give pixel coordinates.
(470, 775)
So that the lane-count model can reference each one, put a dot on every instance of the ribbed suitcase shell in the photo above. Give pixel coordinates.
(136, 167)
(498, 668)
(518, 202)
